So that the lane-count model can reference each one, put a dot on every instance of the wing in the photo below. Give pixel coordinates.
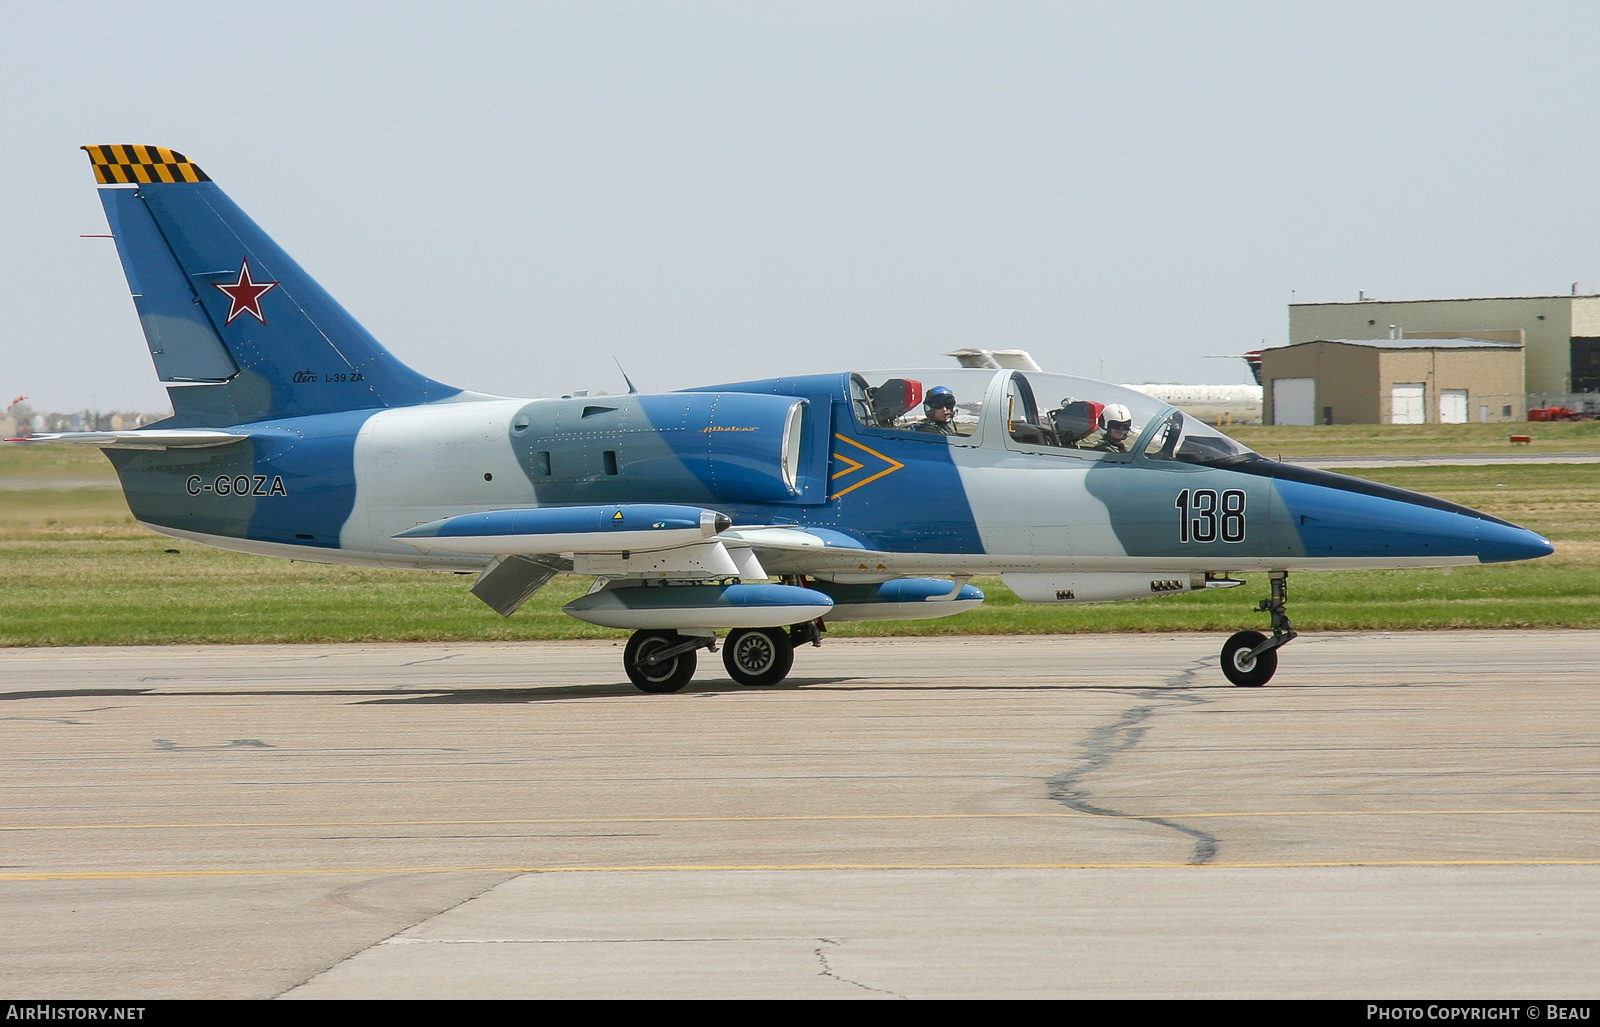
(622, 540)
(641, 542)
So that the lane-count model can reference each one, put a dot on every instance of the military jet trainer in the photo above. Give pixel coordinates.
(868, 495)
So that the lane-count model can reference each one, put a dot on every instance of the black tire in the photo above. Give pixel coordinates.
(1244, 672)
(670, 676)
(758, 656)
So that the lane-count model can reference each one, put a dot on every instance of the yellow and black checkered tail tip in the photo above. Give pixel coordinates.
(125, 164)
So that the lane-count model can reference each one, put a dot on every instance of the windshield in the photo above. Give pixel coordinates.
(1192, 441)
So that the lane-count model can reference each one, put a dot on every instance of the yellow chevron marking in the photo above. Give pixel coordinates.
(894, 465)
(848, 470)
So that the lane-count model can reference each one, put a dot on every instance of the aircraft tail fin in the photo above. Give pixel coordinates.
(238, 331)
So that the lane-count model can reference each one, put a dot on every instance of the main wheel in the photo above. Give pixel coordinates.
(1244, 670)
(667, 676)
(758, 656)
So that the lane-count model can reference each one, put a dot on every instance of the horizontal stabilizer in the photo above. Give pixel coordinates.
(146, 438)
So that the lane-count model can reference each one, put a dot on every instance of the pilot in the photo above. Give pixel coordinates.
(938, 412)
(1116, 423)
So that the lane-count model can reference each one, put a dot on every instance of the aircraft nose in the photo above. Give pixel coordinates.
(1500, 543)
(1339, 516)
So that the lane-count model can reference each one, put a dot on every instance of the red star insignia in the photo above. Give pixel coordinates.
(245, 294)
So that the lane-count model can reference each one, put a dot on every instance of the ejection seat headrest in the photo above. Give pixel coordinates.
(1076, 418)
(893, 398)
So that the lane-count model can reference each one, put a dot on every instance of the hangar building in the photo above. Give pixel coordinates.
(1394, 381)
(1561, 334)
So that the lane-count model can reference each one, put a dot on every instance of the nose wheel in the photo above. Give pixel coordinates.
(1249, 659)
(1244, 661)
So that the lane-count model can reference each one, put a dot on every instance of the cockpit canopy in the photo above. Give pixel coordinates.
(1037, 412)
(1057, 412)
(1182, 437)
(908, 400)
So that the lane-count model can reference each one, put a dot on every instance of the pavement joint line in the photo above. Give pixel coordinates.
(130, 875)
(806, 817)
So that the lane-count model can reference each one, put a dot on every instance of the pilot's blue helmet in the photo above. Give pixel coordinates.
(938, 397)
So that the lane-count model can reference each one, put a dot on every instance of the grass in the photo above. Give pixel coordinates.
(76, 570)
(46, 460)
(1419, 439)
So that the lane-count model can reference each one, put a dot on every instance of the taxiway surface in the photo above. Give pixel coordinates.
(1396, 815)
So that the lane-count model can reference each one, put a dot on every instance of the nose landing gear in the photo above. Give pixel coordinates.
(1249, 659)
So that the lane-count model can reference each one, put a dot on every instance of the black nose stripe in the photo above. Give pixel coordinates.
(1345, 483)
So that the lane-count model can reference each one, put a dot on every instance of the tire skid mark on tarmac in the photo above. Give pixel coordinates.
(1104, 743)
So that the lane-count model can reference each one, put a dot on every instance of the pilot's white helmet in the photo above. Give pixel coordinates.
(1116, 415)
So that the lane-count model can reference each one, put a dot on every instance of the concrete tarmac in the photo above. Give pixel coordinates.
(1395, 815)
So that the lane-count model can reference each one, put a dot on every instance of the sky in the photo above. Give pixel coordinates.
(514, 197)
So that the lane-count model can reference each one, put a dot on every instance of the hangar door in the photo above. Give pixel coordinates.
(1294, 401)
(1585, 363)
(1407, 403)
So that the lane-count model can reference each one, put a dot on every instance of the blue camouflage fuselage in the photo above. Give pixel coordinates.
(336, 487)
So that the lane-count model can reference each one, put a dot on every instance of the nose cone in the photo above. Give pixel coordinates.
(1339, 516)
(1499, 542)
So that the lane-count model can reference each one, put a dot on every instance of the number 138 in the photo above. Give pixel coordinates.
(1204, 516)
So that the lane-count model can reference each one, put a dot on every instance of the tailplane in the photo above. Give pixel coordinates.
(237, 330)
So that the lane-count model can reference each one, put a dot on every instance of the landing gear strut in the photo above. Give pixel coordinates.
(662, 661)
(1249, 659)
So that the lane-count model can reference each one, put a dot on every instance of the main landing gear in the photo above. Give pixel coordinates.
(1249, 659)
(758, 656)
(664, 661)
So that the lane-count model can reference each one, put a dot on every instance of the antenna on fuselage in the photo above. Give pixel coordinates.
(632, 389)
